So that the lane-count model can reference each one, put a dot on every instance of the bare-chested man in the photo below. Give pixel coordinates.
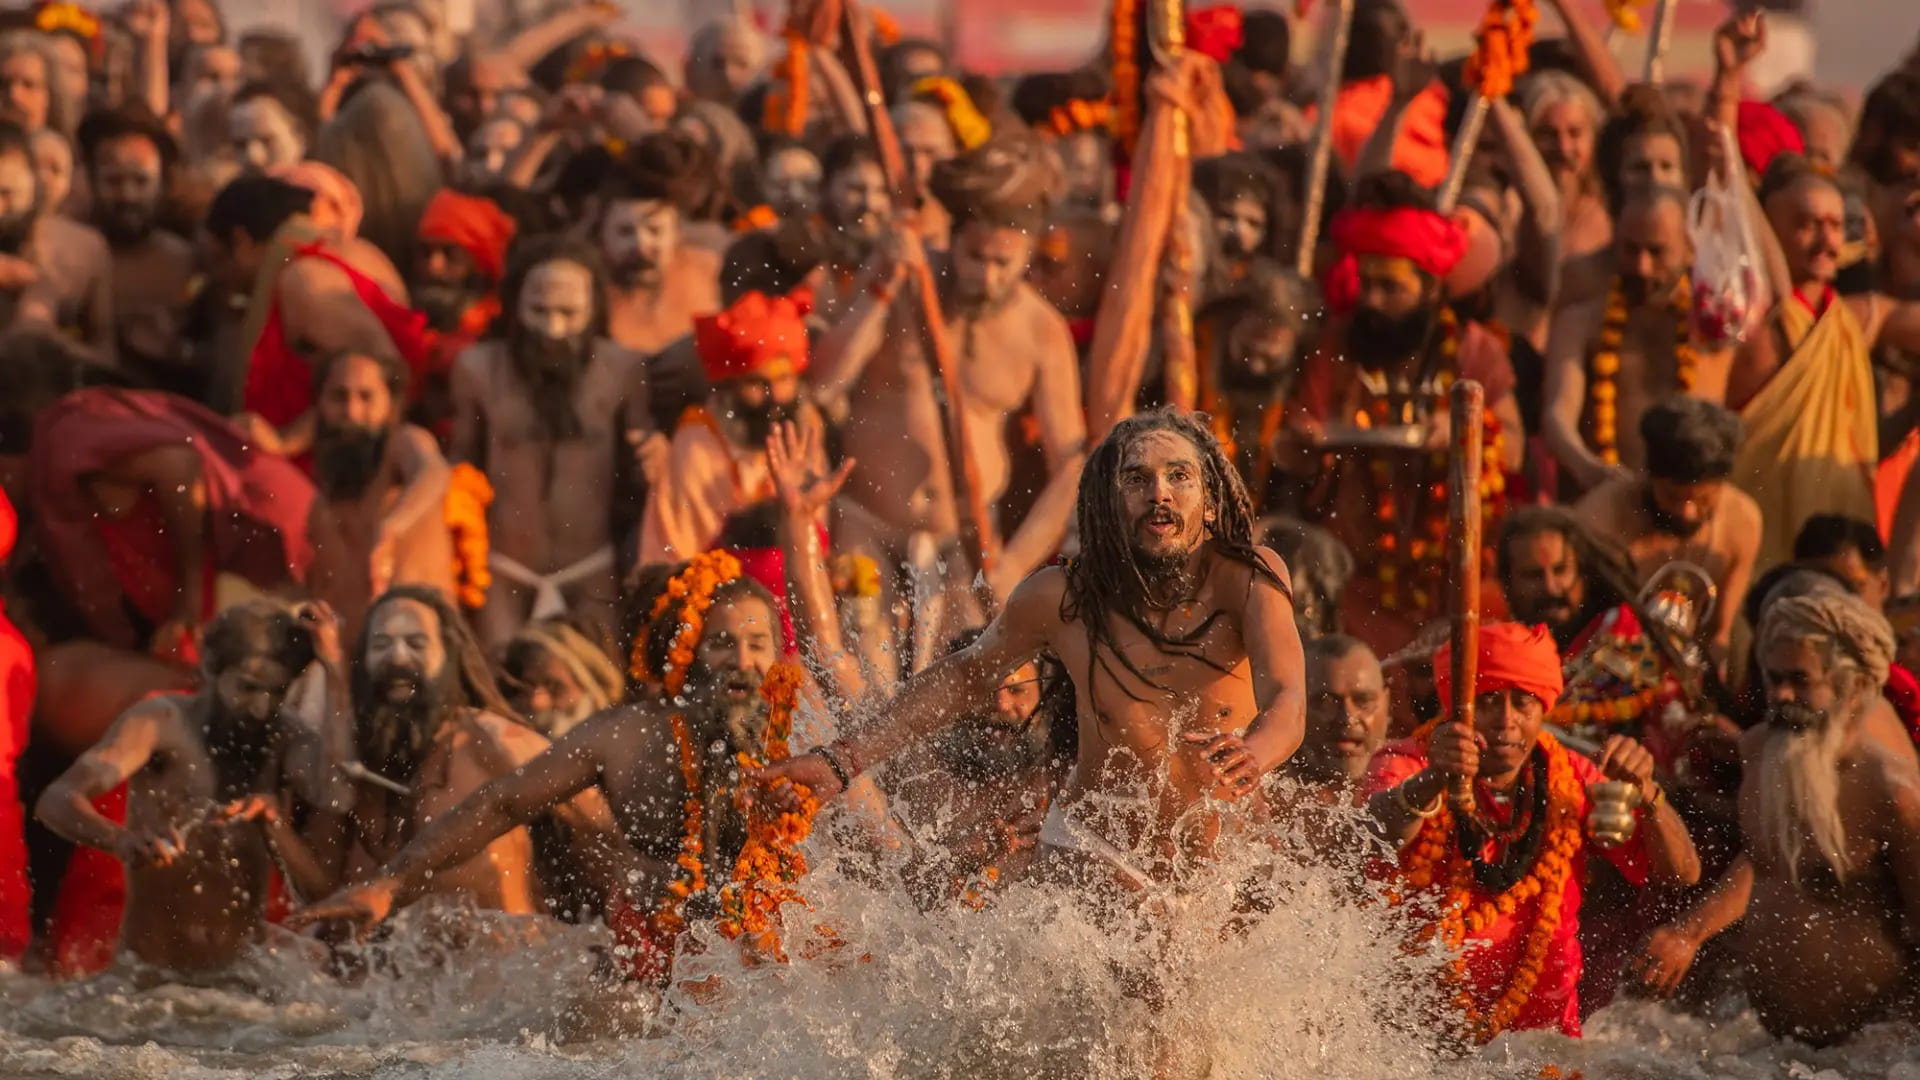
(856, 206)
(196, 886)
(1012, 348)
(429, 718)
(1564, 116)
(1179, 635)
(1602, 372)
(54, 271)
(539, 408)
(126, 155)
(1681, 508)
(657, 285)
(1828, 893)
(635, 754)
(383, 484)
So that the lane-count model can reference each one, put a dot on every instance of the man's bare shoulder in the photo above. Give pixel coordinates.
(1743, 515)
(516, 741)
(1602, 506)
(699, 259)
(1039, 595)
(1041, 317)
(478, 359)
(1240, 577)
(71, 238)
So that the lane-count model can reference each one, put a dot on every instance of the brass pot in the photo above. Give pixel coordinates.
(1610, 818)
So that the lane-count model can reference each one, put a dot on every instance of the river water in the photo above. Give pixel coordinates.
(1320, 988)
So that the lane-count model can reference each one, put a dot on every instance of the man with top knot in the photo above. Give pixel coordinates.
(1394, 351)
(716, 489)
(1510, 877)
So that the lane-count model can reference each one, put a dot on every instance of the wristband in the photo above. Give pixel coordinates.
(1432, 809)
(833, 762)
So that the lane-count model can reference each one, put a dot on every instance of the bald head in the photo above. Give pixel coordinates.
(1650, 243)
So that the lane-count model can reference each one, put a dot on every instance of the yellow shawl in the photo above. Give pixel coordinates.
(1812, 439)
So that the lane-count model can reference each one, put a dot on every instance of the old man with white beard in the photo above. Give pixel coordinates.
(1828, 892)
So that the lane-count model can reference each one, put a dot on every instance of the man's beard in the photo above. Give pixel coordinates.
(757, 425)
(445, 303)
(15, 229)
(635, 271)
(1642, 290)
(1800, 786)
(1162, 569)
(1671, 524)
(394, 735)
(239, 746)
(124, 224)
(346, 459)
(983, 749)
(1380, 341)
(551, 369)
(744, 714)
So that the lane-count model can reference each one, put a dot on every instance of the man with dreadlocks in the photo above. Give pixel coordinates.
(197, 881)
(1178, 633)
(706, 654)
(544, 400)
(429, 720)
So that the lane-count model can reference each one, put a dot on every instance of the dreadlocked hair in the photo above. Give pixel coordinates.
(1106, 582)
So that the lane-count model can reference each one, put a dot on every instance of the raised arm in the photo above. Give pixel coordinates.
(1063, 436)
(1590, 51)
(1536, 259)
(850, 344)
(424, 476)
(804, 492)
(939, 695)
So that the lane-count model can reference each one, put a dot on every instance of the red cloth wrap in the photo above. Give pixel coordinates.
(473, 223)
(18, 684)
(1512, 657)
(641, 951)
(1431, 242)
(1214, 32)
(257, 503)
(753, 335)
(280, 381)
(1764, 132)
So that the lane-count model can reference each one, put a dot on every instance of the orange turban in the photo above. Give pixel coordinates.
(754, 337)
(472, 222)
(1512, 657)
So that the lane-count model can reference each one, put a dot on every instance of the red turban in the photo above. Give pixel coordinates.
(9, 526)
(1765, 132)
(1512, 657)
(754, 336)
(475, 224)
(1432, 242)
(1214, 32)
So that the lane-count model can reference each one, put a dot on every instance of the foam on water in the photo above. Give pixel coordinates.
(1320, 988)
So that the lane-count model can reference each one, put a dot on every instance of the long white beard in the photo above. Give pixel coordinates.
(1800, 796)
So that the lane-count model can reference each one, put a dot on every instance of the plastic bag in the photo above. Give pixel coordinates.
(1730, 292)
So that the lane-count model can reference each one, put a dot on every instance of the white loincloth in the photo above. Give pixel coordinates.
(548, 598)
(1062, 830)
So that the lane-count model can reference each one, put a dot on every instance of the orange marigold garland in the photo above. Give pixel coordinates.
(1123, 39)
(1500, 47)
(786, 103)
(1603, 391)
(693, 589)
(1432, 859)
(770, 861)
(465, 512)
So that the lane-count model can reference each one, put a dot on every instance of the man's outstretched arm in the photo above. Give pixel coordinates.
(939, 695)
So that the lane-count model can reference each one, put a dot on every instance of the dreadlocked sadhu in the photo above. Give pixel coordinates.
(1178, 633)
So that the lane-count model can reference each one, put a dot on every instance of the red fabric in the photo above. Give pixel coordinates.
(257, 503)
(1763, 133)
(280, 381)
(768, 566)
(475, 224)
(1491, 957)
(1423, 149)
(1214, 32)
(1903, 693)
(1512, 656)
(641, 953)
(753, 335)
(1082, 331)
(1432, 242)
(19, 684)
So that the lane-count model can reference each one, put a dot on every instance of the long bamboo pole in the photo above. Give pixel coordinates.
(1463, 558)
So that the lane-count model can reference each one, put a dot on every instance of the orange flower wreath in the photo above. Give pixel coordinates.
(465, 511)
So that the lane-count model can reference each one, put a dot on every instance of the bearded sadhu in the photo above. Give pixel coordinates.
(1385, 369)
(1509, 878)
(459, 264)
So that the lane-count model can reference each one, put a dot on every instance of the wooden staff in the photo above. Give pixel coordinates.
(969, 499)
(1463, 557)
(1463, 145)
(1179, 365)
(1658, 41)
(1321, 158)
